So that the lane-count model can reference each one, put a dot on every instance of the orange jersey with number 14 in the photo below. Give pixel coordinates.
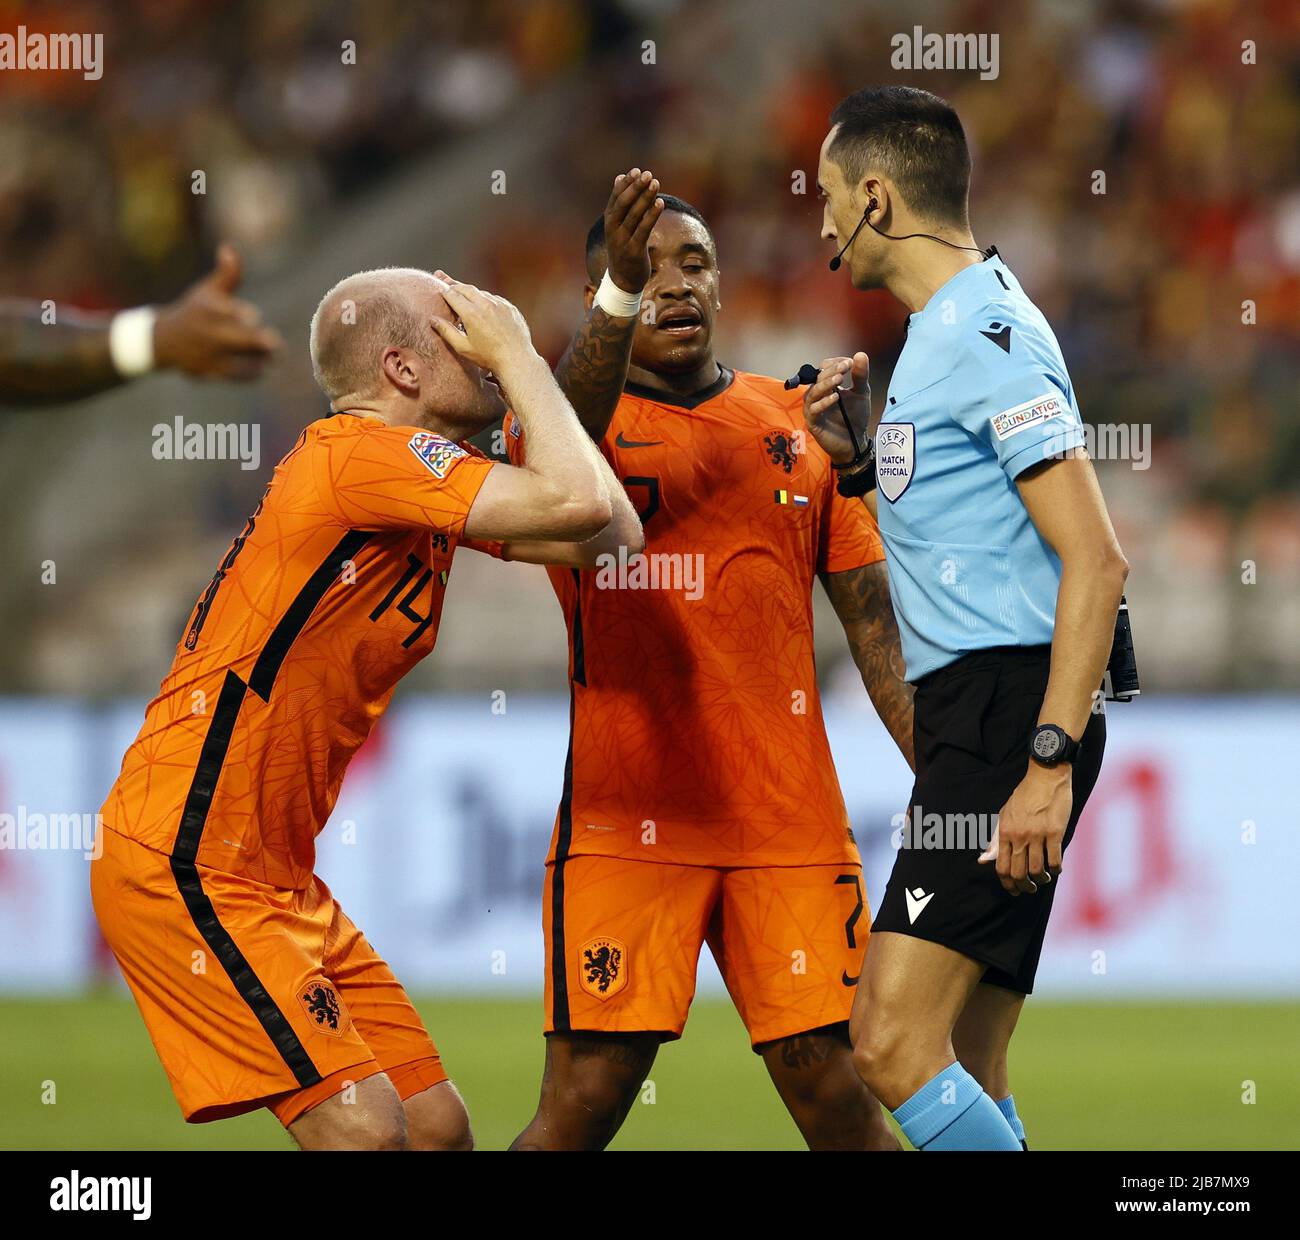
(329, 595)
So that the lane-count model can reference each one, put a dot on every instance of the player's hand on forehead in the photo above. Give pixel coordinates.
(486, 329)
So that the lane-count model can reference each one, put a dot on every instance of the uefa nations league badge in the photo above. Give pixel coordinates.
(895, 457)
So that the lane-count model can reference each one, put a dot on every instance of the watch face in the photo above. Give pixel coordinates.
(1047, 744)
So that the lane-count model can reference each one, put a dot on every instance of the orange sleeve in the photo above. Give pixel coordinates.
(388, 477)
(850, 537)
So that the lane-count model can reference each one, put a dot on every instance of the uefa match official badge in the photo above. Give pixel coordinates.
(604, 967)
(895, 458)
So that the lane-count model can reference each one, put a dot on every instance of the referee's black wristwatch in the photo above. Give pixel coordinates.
(1050, 746)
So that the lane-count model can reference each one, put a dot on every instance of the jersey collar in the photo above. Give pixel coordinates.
(693, 400)
(965, 283)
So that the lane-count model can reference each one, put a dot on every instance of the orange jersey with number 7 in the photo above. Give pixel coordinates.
(697, 734)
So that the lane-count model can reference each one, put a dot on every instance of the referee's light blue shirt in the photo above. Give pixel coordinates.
(980, 394)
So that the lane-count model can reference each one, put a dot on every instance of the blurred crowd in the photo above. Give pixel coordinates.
(284, 107)
(1137, 163)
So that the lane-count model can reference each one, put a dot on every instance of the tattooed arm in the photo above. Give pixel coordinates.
(206, 332)
(861, 600)
(594, 366)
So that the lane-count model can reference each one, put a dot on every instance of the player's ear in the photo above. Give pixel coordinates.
(399, 371)
(589, 295)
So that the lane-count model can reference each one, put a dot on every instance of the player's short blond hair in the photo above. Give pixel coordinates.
(358, 318)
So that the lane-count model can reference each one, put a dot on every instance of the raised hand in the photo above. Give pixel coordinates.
(630, 214)
(209, 333)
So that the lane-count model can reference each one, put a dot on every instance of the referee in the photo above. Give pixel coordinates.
(1006, 577)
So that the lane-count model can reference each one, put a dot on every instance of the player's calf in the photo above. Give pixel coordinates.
(981, 1039)
(588, 1087)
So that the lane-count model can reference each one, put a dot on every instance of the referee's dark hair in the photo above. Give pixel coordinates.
(596, 234)
(912, 136)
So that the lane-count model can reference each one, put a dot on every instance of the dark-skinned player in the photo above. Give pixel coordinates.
(700, 801)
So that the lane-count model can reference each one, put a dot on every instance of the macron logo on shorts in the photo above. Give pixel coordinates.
(916, 902)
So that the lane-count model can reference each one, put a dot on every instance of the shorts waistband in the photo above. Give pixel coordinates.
(990, 656)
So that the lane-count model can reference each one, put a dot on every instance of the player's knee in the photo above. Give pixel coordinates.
(878, 1055)
(367, 1117)
(374, 1128)
(601, 1071)
(358, 1134)
(599, 1089)
(828, 1088)
(437, 1120)
(390, 1135)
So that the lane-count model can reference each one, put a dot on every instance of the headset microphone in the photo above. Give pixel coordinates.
(835, 262)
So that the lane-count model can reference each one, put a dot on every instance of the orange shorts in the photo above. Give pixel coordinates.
(623, 941)
(254, 996)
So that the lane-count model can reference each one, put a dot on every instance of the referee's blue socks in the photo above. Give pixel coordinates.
(952, 1112)
(1007, 1106)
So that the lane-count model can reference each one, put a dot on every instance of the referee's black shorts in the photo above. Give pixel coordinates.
(973, 720)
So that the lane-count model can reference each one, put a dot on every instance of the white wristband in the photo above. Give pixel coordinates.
(615, 302)
(130, 341)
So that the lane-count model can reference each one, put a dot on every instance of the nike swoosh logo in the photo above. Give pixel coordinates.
(916, 902)
(846, 980)
(620, 442)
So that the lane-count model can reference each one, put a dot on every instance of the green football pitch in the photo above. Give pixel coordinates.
(81, 1073)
